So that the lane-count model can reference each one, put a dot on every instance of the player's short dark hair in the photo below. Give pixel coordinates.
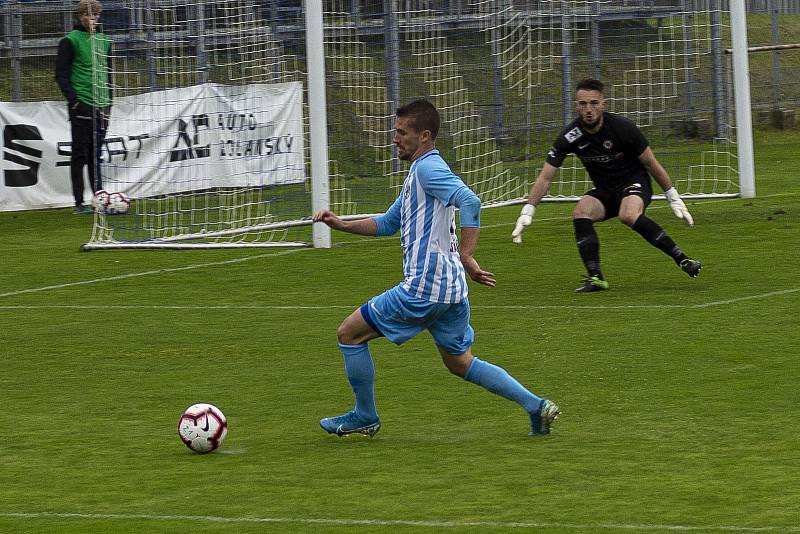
(423, 116)
(589, 84)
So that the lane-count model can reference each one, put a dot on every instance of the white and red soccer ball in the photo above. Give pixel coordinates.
(111, 203)
(202, 427)
(100, 199)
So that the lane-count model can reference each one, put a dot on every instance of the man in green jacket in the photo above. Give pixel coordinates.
(83, 73)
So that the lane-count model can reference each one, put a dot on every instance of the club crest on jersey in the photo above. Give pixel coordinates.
(573, 134)
(607, 144)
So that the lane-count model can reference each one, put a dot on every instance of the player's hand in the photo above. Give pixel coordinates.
(476, 273)
(523, 221)
(328, 217)
(81, 110)
(678, 207)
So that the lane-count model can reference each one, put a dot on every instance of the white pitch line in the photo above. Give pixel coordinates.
(392, 522)
(286, 252)
(751, 297)
(148, 273)
(167, 270)
(174, 307)
(352, 306)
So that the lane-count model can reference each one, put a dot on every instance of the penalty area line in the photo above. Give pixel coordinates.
(750, 297)
(163, 271)
(392, 522)
(148, 273)
(353, 306)
(175, 307)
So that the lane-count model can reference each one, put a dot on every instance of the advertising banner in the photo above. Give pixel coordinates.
(159, 143)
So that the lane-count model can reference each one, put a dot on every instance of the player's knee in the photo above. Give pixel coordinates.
(457, 365)
(455, 369)
(580, 213)
(628, 219)
(344, 335)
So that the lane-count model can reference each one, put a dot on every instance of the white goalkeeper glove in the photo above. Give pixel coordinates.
(678, 207)
(525, 219)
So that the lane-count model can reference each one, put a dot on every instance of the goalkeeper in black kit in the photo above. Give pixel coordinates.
(619, 161)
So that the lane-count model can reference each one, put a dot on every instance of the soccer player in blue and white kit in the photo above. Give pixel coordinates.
(433, 293)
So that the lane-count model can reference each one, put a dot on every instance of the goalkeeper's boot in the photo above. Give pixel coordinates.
(543, 419)
(350, 423)
(592, 283)
(691, 267)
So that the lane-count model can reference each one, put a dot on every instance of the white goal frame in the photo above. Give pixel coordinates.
(319, 166)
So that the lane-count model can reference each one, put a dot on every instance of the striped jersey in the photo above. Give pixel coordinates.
(432, 266)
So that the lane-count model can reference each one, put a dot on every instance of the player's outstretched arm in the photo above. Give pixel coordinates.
(358, 226)
(539, 189)
(658, 172)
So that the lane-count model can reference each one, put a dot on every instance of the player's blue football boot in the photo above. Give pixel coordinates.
(350, 423)
(543, 419)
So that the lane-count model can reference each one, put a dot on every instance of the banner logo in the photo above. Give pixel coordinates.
(11, 152)
(189, 147)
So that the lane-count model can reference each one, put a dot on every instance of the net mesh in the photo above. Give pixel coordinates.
(501, 72)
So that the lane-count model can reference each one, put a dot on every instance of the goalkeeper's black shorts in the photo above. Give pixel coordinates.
(612, 199)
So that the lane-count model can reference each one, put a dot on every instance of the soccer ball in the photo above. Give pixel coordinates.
(202, 427)
(100, 200)
(111, 203)
(117, 204)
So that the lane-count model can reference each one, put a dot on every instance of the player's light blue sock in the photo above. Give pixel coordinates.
(361, 374)
(498, 381)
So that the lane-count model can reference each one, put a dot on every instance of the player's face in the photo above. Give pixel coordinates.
(590, 105)
(409, 141)
(89, 21)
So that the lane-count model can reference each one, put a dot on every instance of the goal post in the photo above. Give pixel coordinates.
(501, 72)
(318, 126)
(741, 77)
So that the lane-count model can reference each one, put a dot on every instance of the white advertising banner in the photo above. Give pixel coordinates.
(179, 140)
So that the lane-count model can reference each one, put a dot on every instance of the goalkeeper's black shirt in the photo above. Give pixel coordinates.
(610, 156)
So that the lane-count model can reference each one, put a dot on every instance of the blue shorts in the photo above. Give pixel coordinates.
(399, 316)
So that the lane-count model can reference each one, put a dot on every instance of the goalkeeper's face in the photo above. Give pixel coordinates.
(590, 105)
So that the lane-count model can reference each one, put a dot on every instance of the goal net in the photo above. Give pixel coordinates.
(211, 105)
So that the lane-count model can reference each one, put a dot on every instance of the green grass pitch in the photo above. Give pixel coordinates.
(680, 397)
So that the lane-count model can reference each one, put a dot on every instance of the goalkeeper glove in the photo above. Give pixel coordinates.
(525, 219)
(678, 207)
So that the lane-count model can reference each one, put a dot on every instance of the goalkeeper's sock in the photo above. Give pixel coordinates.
(498, 381)
(361, 375)
(656, 236)
(588, 246)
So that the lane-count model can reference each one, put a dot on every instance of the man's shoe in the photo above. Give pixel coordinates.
(350, 423)
(543, 419)
(592, 283)
(82, 210)
(691, 267)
